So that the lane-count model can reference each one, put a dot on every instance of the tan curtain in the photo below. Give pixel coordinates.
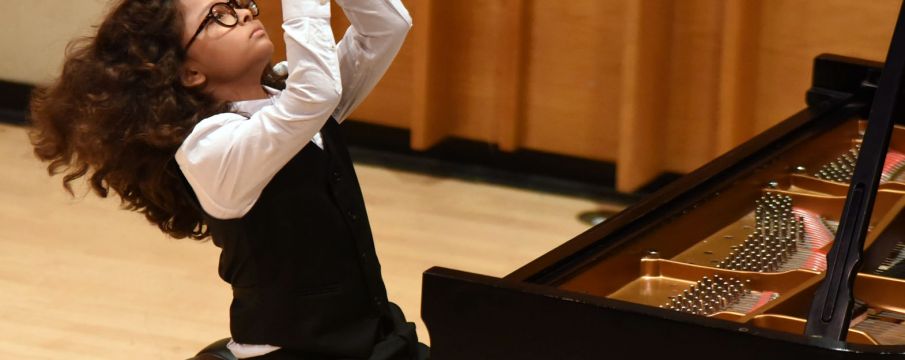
(650, 85)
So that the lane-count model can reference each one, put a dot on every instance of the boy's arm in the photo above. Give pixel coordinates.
(367, 49)
(229, 159)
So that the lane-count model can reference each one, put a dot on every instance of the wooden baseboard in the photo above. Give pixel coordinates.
(14, 102)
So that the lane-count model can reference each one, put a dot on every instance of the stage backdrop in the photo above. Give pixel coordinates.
(650, 85)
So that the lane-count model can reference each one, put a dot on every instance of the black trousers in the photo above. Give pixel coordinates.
(401, 344)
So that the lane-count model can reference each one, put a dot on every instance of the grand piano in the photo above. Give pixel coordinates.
(723, 263)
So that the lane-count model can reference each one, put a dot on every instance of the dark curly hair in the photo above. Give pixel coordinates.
(118, 113)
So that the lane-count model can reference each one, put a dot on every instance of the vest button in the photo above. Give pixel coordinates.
(364, 255)
(353, 216)
(337, 176)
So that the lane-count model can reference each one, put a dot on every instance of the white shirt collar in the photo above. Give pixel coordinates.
(252, 106)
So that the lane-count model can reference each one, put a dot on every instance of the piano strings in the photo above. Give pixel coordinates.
(784, 238)
(843, 167)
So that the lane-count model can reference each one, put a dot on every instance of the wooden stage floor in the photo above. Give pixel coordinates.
(82, 279)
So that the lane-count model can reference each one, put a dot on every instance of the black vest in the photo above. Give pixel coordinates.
(302, 263)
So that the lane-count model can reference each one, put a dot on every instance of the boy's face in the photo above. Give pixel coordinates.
(225, 54)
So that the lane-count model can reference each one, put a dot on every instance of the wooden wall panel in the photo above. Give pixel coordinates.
(469, 39)
(272, 17)
(573, 78)
(793, 32)
(511, 69)
(644, 90)
(652, 85)
(740, 36)
(693, 60)
(427, 127)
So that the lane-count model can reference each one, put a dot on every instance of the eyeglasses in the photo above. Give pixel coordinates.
(224, 13)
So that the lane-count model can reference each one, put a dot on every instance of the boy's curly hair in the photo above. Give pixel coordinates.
(118, 113)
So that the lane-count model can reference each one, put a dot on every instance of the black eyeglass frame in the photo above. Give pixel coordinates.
(232, 5)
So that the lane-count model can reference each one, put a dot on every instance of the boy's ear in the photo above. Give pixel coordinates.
(191, 77)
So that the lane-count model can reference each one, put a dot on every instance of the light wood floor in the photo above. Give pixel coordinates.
(82, 279)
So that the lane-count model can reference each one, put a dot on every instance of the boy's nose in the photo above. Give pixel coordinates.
(245, 15)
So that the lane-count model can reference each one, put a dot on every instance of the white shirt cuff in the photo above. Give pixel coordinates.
(294, 9)
(244, 351)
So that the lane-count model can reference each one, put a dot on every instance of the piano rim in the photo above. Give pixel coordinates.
(495, 284)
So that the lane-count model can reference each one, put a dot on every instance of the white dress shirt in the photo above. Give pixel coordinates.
(228, 159)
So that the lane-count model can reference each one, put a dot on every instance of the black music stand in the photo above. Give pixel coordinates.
(831, 310)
